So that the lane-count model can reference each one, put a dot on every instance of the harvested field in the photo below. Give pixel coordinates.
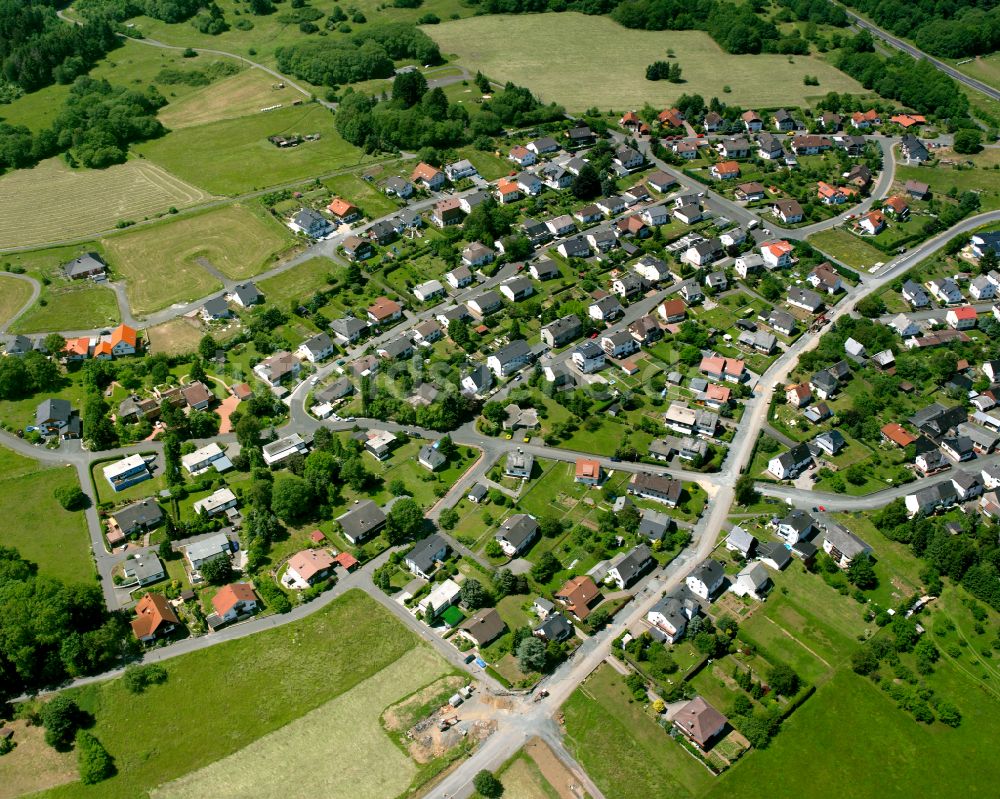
(523, 780)
(175, 337)
(85, 201)
(33, 765)
(337, 750)
(236, 96)
(556, 778)
(523, 48)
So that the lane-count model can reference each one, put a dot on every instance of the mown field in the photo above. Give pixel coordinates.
(53, 203)
(849, 249)
(242, 94)
(35, 523)
(299, 281)
(172, 261)
(14, 294)
(338, 750)
(232, 156)
(219, 700)
(524, 48)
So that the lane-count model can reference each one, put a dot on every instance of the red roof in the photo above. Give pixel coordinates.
(104, 348)
(230, 595)
(78, 346)
(123, 333)
(152, 611)
(727, 168)
(588, 469)
(897, 435)
(897, 204)
(316, 536)
(383, 308)
(965, 312)
(310, 562)
(717, 393)
(242, 391)
(346, 560)
(424, 172)
(340, 207)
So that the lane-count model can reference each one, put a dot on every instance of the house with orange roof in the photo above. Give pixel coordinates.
(630, 120)
(431, 178)
(897, 207)
(384, 310)
(578, 595)
(908, 120)
(831, 195)
(103, 351)
(153, 617)
(521, 156)
(307, 568)
(234, 600)
(588, 471)
(961, 318)
(777, 253)
(798, 396)
(717, 396)
(863, 121)
(872, 223)
(896, 434)
(725, 170)
(343, 210)
(508, 191)
(77, 349)
(123, 341)
(671, 117)
(719, 368)
(751, 121)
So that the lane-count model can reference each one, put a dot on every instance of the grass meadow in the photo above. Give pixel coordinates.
(524, 48)
(216, 155)
(81, 306)
(340, 749)
(847, 248)
(35, 523)
(219, 700)
(299, 281)
(14, 294)
(85, 201)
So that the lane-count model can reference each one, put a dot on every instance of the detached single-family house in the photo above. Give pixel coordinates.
(706, 579)
(517, 533)
(154, 617)
(310, 223)
(753, 581)
(424, 558)
(484, 627)
(790, 463)
(307, 568)
(796, 526)
(427, 176)
(627, 569)
(578, 595)
(699, 722)
(362, 521)
(842, 545)
(509, 359)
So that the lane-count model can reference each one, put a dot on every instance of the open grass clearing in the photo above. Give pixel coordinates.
(622, 748)
(85, 201)
(239, 95)
(985, 68)
(14, 293)
(847, 248)
(264, 682)
(363, 194)
(337, 750)
(174, 337)
(37, 525)
(33, 765)
(524, 48)
(217, 155)
(942, 178)
(300, 281)
(77, 306)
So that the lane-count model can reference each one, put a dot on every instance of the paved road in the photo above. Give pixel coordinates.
(909, 49)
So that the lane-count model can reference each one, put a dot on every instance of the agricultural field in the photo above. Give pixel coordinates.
(301, 280)
(361, 761)
(175, 729)
(523, 48)
(180, 260)
(244, 93)
(175, 337)
(215, 156)
(851, 250)
(35, 523)
(85, 201)
(622, 748)
(14, 293)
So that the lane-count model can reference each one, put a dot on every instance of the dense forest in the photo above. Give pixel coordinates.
(914, 83)
(51, 631)
(369, 54)
(38, 49)
(97, 123)
(953, 29)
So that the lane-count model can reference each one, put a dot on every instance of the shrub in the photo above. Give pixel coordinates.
(93, 760)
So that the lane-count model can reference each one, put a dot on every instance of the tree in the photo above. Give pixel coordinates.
(783, 680)
(861, 573)
(989, 261)
(61, 718)
(871, 307)
(587, 183)
(217, 571)
(488, 785)
(207, 347)
(864, 660)
(658, 70)
(54, 343)
(405, 521)
(531, 655)
(291, 498)
(71, 497)
(97, 427)
(408, 88)
(545, 568)
(746, 494)
(493, 548)
(137, 678)
(93, 760)
(474, 595)
(598, 619)
(448, 518)
(968, 141)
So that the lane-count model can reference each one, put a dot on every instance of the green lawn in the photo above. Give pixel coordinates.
(77, 307)
(216, 156)
(623, 750)
(363, 194)
(14, 294)
(300, 281)
(846, 247)
(105, 493)
(35, 523)
(983, 179)
(263, 682)
(901, 759)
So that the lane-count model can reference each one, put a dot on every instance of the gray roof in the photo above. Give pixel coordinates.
(362, 520)
(741, 540)
(348, 326)
(709, 572)
(426, 552)
(555, 628)
(216, 306)
(248, 293)
(846, 542)
(634, 563)
(654, 524)
(337, 389)
(482, 377)
(772, 550)
(58, 410)
(757, 575)
(431, 455)
(318, 343)
(145, 565)
(85, 264)
(515, 350)
(798, 520)
(139, 514)
(518, 529)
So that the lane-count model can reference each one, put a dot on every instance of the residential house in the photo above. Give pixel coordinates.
(751, 121)
(384, 310)
(578, 596)
(799, 395)
(348, 330)
(660, 181)
(810, 144)
(656, 487)
(310, 223)
(517, 533)
(859, 176)
(544, 269)
(962, 318)
(154, 617)
(917, 189)
(842, 545)
(725, 170)
(653, 525)
(127, 472)
(736, 147)
(825, 277)
(137, 517)
(396, 186)
(357, 248)
(739, 540)
(652, 270)
(424, 558)
(308, 567)
(588, 357)
(770, 147)
(605, 309)
(926, 501)
(628, 158)
(748, 263)
(805, 299)
(277, 367)
(777, 254)
(796, 526)
(830, 442)
(343, 210)
(628, 568)
(788, 211)
(483, 628)
(753, 581)
(143, 568)
(362, 521)
(619, 344)
(519, 464)
(689, 213)
(427, 176)
(509, 359)
(982, 288)
(670, 616)
(233, 601)
(672, 311)
(522, 156)
(219, 501)
(486, 303)
(316, 349)
(562, 330)
(790, 463)
(87, 265)
(516, 289)
(872, 223)
(284, 448)
(460, 169)
(645, 330)
(774, 554)
(945, 290)
(728, 369)
(749, 192)
(915, 295)
(913, 149)
(380, 443)
(576, 247)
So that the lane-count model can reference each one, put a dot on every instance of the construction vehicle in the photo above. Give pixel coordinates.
(447, 723)
(540, 696)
